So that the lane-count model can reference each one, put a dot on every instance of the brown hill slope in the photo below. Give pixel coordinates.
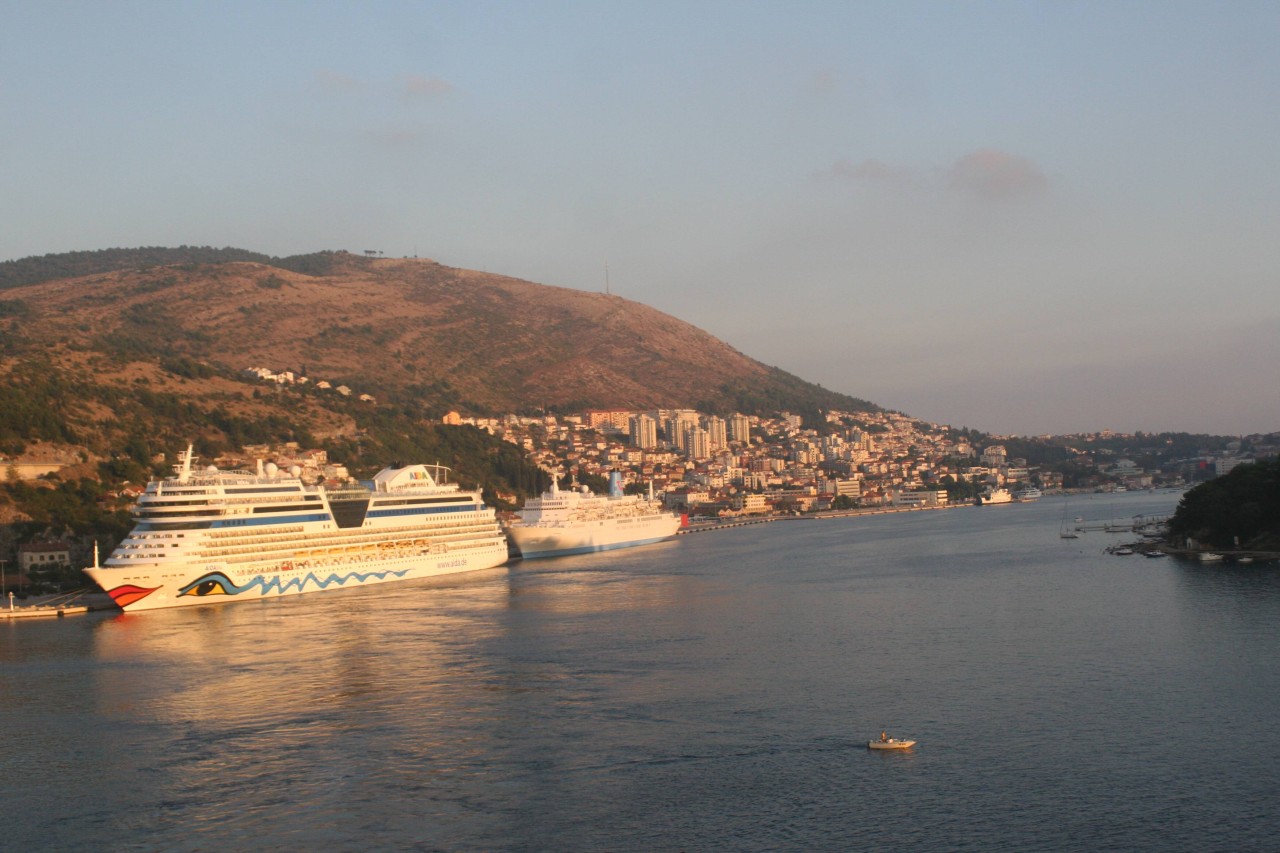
(449, 338)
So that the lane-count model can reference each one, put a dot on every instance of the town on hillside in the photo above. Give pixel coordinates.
(747, 465)
(744, 466)
(718, 467)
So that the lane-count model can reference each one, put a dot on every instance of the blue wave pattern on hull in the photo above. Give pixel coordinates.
(216, 583)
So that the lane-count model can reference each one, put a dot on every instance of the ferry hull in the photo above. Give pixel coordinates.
(534, 542)
(153, 588)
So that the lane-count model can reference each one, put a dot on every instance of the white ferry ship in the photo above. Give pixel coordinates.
(1031, 493)
(998, 496)
(579, 522)
(215, 536)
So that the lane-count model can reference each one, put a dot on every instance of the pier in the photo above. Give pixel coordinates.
(1138, 524)
(743, 521)
(57, 606)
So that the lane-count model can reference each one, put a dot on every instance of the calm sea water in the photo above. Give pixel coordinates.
(711, 693)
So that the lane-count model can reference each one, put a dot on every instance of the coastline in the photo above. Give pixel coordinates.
(725, 524)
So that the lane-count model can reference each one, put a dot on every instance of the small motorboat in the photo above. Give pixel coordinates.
(886, 742)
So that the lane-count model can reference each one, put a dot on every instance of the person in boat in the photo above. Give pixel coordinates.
(884, 737)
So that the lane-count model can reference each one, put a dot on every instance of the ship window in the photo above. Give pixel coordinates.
(173, 525)
(349, 513)
(413, 501)
(286, 508)
(262, 490)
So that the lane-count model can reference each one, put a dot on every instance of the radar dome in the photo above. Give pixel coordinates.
(272, 468)
(211, 469)
(295, 471)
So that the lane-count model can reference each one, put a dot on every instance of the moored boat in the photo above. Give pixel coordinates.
(205, 536)
(1064, 531)
(575, 521)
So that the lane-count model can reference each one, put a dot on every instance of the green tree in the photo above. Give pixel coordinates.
(1241, 506)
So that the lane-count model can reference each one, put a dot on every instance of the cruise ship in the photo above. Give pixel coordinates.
(206, 536)
(575, 521)
(1031, 493)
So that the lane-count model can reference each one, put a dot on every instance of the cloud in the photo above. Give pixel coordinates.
(869, 171)
(992, 174)
(987, 174)
(426, 88)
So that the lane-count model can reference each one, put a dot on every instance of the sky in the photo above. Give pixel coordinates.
(1024, 218)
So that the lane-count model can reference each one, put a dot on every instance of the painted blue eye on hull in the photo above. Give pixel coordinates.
(214, 583)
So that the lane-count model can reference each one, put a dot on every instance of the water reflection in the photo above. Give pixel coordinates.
(715, 692)
(337, 697)
(1255, 582)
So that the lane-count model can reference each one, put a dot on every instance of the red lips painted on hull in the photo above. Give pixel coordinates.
(128, 594)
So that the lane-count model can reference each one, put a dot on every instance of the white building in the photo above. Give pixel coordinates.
(696, 443)
(717, 433)
(644, 432)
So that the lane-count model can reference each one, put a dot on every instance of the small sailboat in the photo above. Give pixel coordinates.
(1066, 532)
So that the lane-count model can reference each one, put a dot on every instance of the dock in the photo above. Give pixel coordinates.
(57, 606)
(1145, 524)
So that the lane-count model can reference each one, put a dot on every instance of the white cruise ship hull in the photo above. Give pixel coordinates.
(584, 538)
(153, 587)
(210, 536)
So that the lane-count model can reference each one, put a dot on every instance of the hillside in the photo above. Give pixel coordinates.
(129, 359)
(38, 268)
(398, 329)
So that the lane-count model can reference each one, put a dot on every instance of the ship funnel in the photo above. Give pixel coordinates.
(615, 484)
(184, 470)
